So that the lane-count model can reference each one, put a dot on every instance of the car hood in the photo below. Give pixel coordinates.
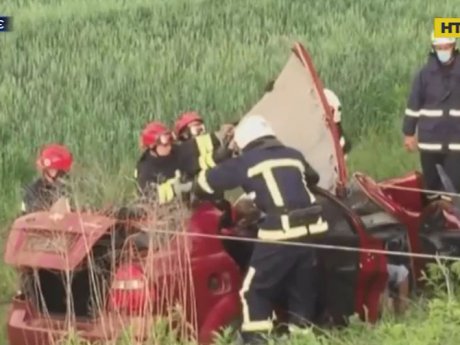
(297, 109)
(52, 240)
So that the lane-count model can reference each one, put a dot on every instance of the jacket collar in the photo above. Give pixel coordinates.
(263, 143)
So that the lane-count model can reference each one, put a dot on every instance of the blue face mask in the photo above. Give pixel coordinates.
(444, 55)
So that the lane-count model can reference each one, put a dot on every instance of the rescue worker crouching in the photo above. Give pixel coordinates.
(158, 169)
(433, 110)
(54, 162)
(280, 179)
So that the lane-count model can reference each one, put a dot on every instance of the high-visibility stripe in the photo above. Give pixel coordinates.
(446, 197)
(430, 147)
(248, 324)
(431, 112)
(266, 170)
(166, 191)
(454, 147)
(203, 182)
(290, 233)
(205, 149)
(412, 113)
(454, 112)
(297, 330)
(424, 112)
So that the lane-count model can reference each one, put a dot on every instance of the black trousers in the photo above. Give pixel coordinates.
(450, 161)
(278, 269)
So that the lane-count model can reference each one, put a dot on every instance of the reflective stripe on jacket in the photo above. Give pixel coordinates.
(433, 107)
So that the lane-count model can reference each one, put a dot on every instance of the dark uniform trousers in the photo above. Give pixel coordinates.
(433, 111)
(450, 161)
(276, 269)
(279, 176)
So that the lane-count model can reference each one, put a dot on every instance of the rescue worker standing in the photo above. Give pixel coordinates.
(54, 162)
(280, 178)
(158, 169)
(199, 150)
(433, 110)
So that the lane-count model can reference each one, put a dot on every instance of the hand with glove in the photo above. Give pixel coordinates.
(182, 185)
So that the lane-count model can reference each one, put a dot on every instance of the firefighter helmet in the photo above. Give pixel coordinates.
(251, 128)
(186, 119)
(155, 133)
(335, 104)
(55, 156)
(441, 40)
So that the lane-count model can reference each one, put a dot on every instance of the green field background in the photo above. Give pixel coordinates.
(91, 73)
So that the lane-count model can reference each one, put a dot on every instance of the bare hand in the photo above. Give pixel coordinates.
(410, 143)
(227, 129)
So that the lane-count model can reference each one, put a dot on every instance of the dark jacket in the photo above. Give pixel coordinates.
(433, 107)
(201, 153)
(279, 176)
(41, 195)
(156, 175)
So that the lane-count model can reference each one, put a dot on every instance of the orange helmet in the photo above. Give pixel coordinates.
(184, 120)
(155, 133)
(55, 156)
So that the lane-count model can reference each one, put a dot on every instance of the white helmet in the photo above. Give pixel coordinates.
(251, 128)
(441, 40)
(334, 102)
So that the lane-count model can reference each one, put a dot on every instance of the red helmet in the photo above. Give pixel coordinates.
(55, 156)
(185, 119)
(155, 133)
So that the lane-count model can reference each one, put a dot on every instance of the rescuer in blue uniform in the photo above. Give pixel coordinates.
(433, 110)
(280, 178)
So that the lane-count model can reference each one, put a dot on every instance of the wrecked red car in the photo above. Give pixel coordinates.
(100, 274)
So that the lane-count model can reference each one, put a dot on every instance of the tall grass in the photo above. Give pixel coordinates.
(90, 73)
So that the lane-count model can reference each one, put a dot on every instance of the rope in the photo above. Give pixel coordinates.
(309, 245)
(333, 247)
(418, 190)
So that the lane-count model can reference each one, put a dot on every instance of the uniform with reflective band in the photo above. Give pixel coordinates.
(433, 111)
(201, 153)
(278, 176)
(41, 195)
(433, 107)
(157, 175)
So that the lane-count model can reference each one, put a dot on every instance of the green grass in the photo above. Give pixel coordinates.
(90, 73)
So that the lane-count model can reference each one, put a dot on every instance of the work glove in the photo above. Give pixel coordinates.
(182, 187)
